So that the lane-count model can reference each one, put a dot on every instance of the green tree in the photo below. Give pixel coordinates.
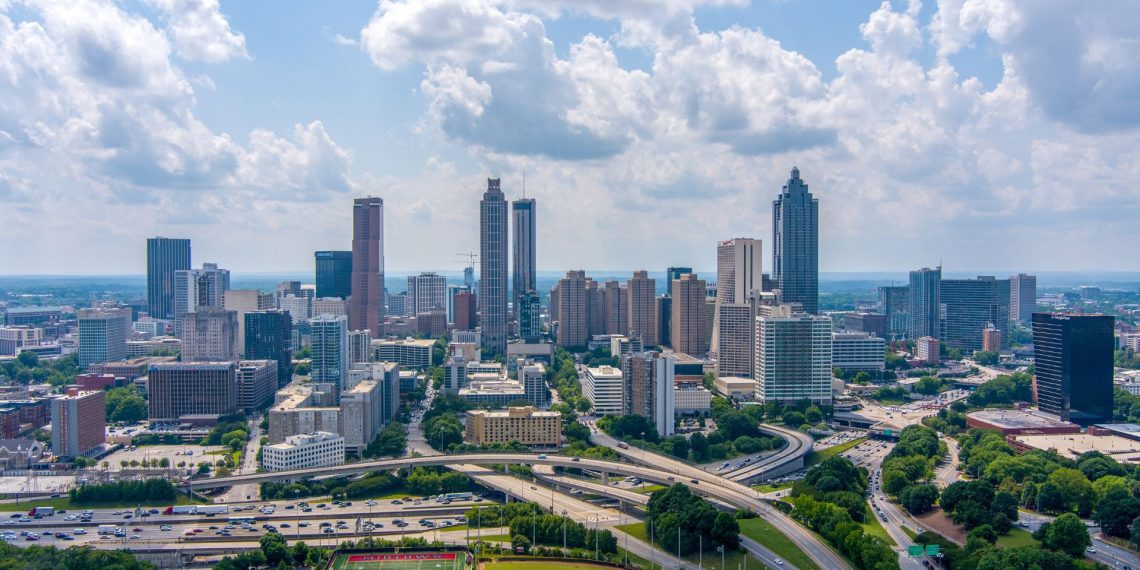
(1066, 534)
(699, 445)
(1116, 511)
(986, 357)
(918, 499)
(794, 419)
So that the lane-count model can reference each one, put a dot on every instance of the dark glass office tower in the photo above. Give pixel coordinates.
(925, 303)
(674, 273)
(164, 256)
(795, 244)
(530, 322)
(268, 335)
(970, 305)
(493, 268)
(524, 241)
(334, 274)
(1073, 358)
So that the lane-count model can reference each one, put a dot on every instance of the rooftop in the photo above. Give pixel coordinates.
(1019, 419)
(1072, 445)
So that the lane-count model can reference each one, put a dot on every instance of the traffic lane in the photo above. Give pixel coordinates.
(1106, 552)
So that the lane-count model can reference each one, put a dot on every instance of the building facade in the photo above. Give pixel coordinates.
(925, 303)
(333, 274)
(873, 323)
(927, 349)
(1022, 297)
(526, 425)
(178, 389)
(465, 316)
(493, 268)
(605, 389)
(366, 295)
(532, 375)
(529, 316)
(14, 339)
(858, 351)
(197, 288)
(642, 293)
(330, 356)
(688, 326)
(256, 383)
(210, 334)
(427, 292)
(648, 390)
(735, 332)
(408, 352)
(243, 301)
(1073, 357)
(571, 309)
(524, 277)
(102, 336)
(268, 337)
(795, 244)
(894, 304)
(793, 356)
(968, 306)
(318, 449)
(164, 257)
(78, 423)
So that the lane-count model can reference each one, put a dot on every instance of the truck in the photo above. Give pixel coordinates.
(208, 510)
(181, 510)
(41, 511)
(107, 529)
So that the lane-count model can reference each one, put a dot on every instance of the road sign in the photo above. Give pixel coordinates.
(887, 431)
(932, 550)
(914, 550)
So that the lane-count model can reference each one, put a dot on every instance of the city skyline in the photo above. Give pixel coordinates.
(936, 125)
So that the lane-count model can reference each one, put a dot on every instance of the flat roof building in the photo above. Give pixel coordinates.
(78, 423)
(603, 387)
(735, 388)
(408, 352)
(318, 449)
(858, 351)
(1011, 422)
(1073, 359)
(177, 389)
(526, 425)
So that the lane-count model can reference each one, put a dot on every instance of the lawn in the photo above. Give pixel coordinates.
(542, 565)
(711, 559)
(875, 528)
(768, 488)
(913, 535)
(1017, 537)
(763, 532)
(650, 489)
(65, 504)
(820, 456)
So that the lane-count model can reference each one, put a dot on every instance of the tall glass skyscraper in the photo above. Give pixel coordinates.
(493, 268)
(334, 274)
(268, 336)
(795, 244)
(1073, 358)
(525, 275)
(329, 336)
(925, 303)
(164, 256)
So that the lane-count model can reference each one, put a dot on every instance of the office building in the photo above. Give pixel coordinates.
(102, 336)
(330, 356)
(334, 274)
(295, 411)
(299, 307)
(195, 288)
(688, 324)
(1073, 357)
(663, 310)
(795, 244)
(452, 291)
(491, 391)
(163, 345)
(243, 301)
(433, 323)
(532, 375)
(78, 423)
(399, 304)
(408, 352)
(894, 305)
(268, 337)
(621, 345)
(691, 399)
(571, 309)
(873, 323)
(738, 269)
(14, 339)
(858, 351)
(526, 425)
(736, 331)
(642, 318)
(209, 334)
(307, 451)
(164, 257)
(465, 318)
(648, 388)
(427, 292)
(177, 389)
(387, 376)
(605, 389)
(925, 303)
(256, 383)
(1022, 297)
(362, 412)
(793, 356)
(991, 338)
(529, 316)
(927, 349)
(359, 347)
(330, 306)
(524, 276)
(616, 308)
(366, 295)
(735, 388)
(493, 268)
(595, 308)
(968, 306)
(674, 273)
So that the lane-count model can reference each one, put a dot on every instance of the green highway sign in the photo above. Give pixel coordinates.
(932, 550)
(914, 550)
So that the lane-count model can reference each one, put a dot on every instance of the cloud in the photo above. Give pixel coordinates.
(200, 31)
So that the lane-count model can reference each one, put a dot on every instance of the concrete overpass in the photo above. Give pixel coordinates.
(787, 460)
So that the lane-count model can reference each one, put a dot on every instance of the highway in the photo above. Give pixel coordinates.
(799, 445)
(947, 473)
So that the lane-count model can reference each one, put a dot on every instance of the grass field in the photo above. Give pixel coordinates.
(873, 527)
(65, 503)
(763, 532)
(909, 532)
(768, 488)
(1017, 537)
(541, 565)
(650, 489)
(401, 561)
(820, 456)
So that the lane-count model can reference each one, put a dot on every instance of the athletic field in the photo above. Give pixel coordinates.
(402, 561)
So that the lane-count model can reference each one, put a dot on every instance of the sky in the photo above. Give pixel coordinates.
(973, 133)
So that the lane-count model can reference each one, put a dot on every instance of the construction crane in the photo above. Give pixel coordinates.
(469, 271)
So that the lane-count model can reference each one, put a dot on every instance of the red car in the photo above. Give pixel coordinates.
(137, 529)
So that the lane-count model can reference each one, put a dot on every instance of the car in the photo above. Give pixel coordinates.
(694, 481)
(213, 527)
(137, 529)
(78, 531)
(64, 536)
(302, 524)
(135, 537)
(575, 459)
(188, 533)
(328, 531)
(31, 537)
(397, 502)
(165, 527)
(778, 562)
(326, 523)
(1090, 550)
(47, 533)
(533, 488)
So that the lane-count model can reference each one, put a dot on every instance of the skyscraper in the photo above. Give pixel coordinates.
(493, 268)
(334, 274)
(268, 335)
(1022, 297)
(617, 308)
(426, 291)
(641, 291)
(194, 288)
(330, 357)
(1073, 359)
(209, 334)
(793, 356)
(164, 256)
(674, 273)
(969, 305)
(894, 304)
(648, 379)
(245, 301)
(738, 273)
(570, 306)
(688, 323)
(366, 298)
(795, 244)
(102, 336)
(525, 274)
(925, 304)
(529, 316)
(465, 304)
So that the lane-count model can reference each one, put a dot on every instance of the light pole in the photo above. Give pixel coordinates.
(701, 554)
(721, 549)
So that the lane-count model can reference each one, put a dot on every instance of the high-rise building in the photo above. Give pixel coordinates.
(927, 349)
(243, 301)
(330, 306)
(14, 339)
(102, 336)
(648, 379)
(427, 291)
(532, 375)
(793, 356)
(1022, 297)
(688, 322)
(925, 303)
(527, 425)
(858, 351)
(642, 319)
(399, 304)
(256, 383)
(1073, 359)
(874, 323)
(604, 388)
(268, 335)
(570, 307)
(595, 308)
(525, 273)
(968, 305)
(78, 422)
(493, 268)
(209, 335)
(452, 291)
(359, 347)
(362, 412)
(735, 332)
(305, 451)
(795, 244)
(894, 304)
(177, 389)
(366, 298)
(738, 274)
(164, 256)
(465, 306)
(617, 308)
(299, 307)
(991, 338)
(333, 273)
(663, 310)
(194, 288)
(674, 273)
(330, 356)
(529, 316)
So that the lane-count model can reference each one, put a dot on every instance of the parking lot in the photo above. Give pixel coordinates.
(189, 453)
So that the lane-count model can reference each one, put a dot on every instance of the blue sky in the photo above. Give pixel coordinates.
(982, 133)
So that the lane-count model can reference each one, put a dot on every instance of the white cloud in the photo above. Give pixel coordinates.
(200, 31)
